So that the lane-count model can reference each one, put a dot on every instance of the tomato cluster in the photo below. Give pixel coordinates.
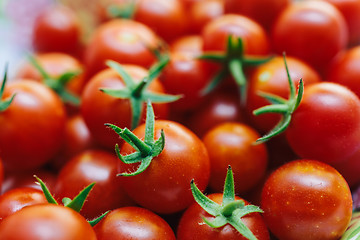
(131, 124)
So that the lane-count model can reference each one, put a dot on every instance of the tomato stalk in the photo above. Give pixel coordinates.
(281, 106)
(125, 10)
(4, 104)
(146, 150)
(137, 93)
(230, 211)
(233, 62)
(58, 84)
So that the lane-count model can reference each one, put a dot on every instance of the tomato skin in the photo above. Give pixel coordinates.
(98, 108)
(133, 223)
(192, 226)
(32, 127)
(57, 29)
(121, 40)
(232, 144)
(18, 198)
(314, 31)
(88, 167)
(164, 187)
(326, 125)
(45, 222)
(306, 199)
(271, 78)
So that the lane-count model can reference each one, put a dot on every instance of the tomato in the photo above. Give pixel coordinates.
(314, 31)
(57, 29)
(98, 108)
(133, 223)
(44, 222)
(344, 69)
(232, 144)
(121, 40)
(164, 186)
(18, 198)
(349, 169)
(190, 44)
(262, 11)
(31, 128)
(271, 78)
(192, 225)
(326, 125)
(88, 167)
(306, 199)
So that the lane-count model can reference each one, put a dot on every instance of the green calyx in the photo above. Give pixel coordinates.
(230, 211)
(281, 106)
(353, 230)
(76, 204)
(125, 10)
(233, 63)
(145, 150)
(4, 104)
(58, 84)
(137, 92)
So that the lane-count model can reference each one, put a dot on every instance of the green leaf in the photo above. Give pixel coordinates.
(145, 163)
(65, 78)
(97, 220)
(279, 128)
(129, 82)
(160, 98)
(4, 104)
(241, 227)
(46, 191)
(136, 110)
(118, 93)
(207, 204)
(78, 202)
(149, 124)
(215, 81)
(229, 190)
(218, 222)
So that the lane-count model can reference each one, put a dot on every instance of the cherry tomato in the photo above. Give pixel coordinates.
(88, 167)
(192, 225)
(44, 222)
(306, 199)
(326, 125)
(133, 223)
(190, 44)
(314, 31)
(31, 128)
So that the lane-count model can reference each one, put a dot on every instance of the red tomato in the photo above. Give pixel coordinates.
(190, 44)
(121, 40)
(350, 168)
(164, 186)
(133, 223)
(262, 11)
(98, 108)
(314, 31)
(57, 29)
(44, 222)
(31, 129)
(271, 78)
(192, 226)
(233, 144)
(18, 198)
(306, 199)
(88, 167)
(326, 125)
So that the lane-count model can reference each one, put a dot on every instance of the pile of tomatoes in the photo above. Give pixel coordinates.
(162, 100)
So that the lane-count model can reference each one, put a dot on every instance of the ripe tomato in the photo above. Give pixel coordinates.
(326, 125)
(88, 167)
(44, 222)
(133, 223)
(57, 29)
(192, 226)
(314, 31)
(121, 40)
(232, 144)
(164, 186)
(306, 199)
(31, 128)
(190, 44)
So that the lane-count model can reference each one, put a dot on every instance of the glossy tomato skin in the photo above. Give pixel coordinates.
(121, 40)
(98, 108)
(85, 168)
(314, 31)
(133, 223)
(306, 199)
(271, 78)
(192, 226)
(232, 144)
(18, 198)
(32, 127)
(44, 222)
(164, 187)
(326, 125)
(57, 29)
